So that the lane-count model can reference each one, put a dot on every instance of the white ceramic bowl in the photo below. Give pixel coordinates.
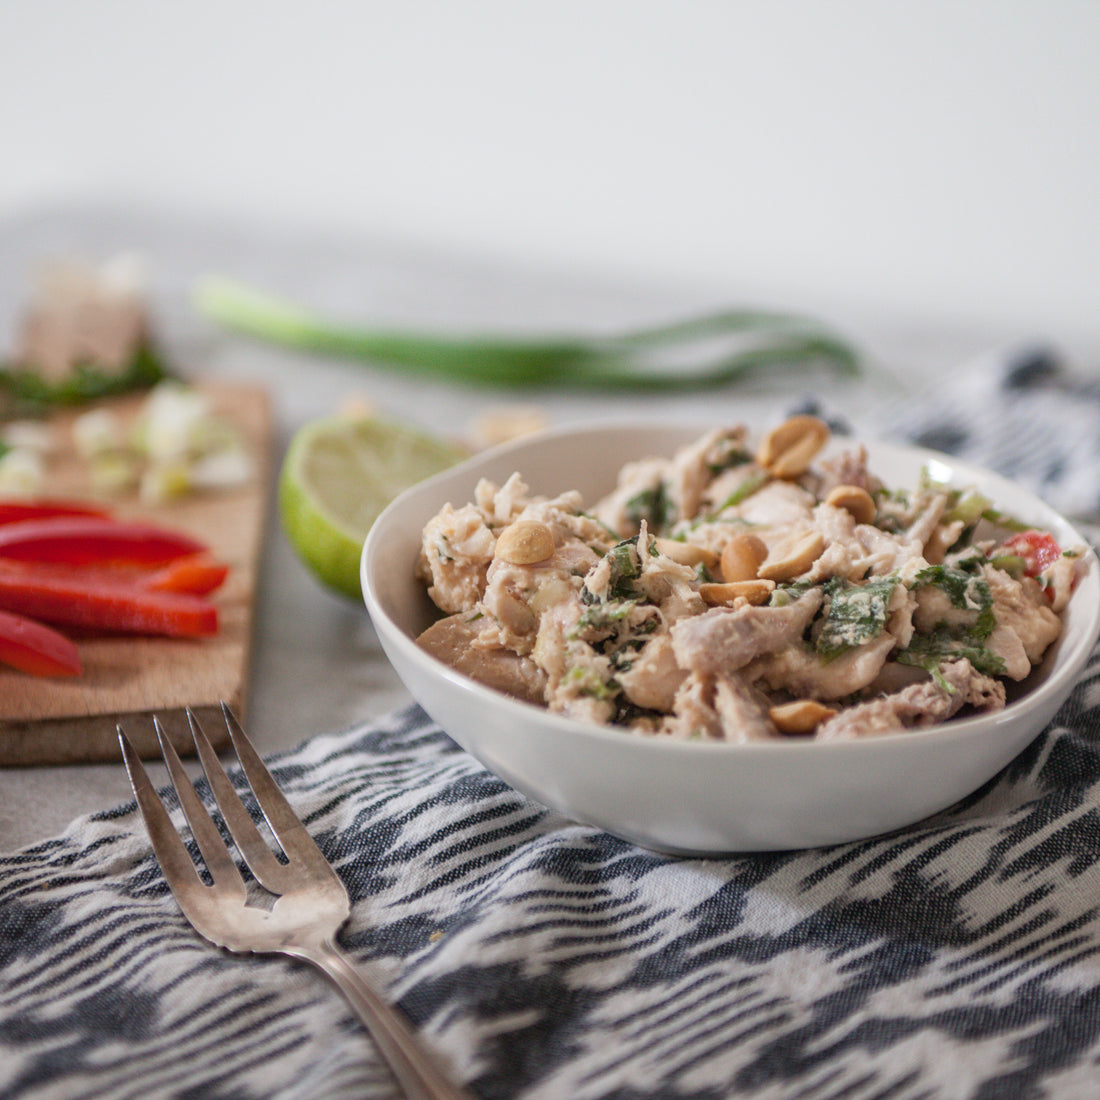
(691, 797)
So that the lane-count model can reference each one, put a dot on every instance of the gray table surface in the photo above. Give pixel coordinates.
(317, 666)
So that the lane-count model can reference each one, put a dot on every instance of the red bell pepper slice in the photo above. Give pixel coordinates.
(198, 574)
(96, 602)
(32, 647)
(87, 540)
(1039, 550)
(15, 511)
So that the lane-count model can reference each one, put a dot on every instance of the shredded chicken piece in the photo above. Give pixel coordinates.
(1026, 624)
(724, 639)
(454, 641)
(849, 467)
(713, 707)
(654, 676)
(1061, 578)
(799, 671)
(920, 704)
(664, 491)
(455, 553)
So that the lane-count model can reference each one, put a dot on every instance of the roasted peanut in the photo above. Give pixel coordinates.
(742, 556)
(802, 716)
(793, 559)
(686, 553)
(853, 499)
(787, 450)
(751, 591)
(502, 423)
(525, 542)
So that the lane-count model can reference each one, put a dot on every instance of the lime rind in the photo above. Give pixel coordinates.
(338, 476)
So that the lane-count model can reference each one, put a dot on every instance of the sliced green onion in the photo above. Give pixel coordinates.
(1012, 564)
(969, 507)
(743, 491)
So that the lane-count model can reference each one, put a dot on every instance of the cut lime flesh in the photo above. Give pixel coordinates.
(337, 477)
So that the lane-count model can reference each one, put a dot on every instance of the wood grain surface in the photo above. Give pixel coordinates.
(127, 679)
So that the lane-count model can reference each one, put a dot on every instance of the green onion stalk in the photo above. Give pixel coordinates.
(703, 351)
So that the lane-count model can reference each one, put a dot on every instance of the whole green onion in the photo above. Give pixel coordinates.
(708, 350)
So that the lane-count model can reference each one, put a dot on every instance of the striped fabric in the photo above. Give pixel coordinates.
(1020, 413)
(542, 959)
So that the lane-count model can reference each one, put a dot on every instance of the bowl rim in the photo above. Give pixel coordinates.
(1065, 664)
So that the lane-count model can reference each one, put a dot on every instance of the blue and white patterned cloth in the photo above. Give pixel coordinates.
(1022, 414)
(539, 958)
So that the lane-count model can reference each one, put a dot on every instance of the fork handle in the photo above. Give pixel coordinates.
(411, 1064)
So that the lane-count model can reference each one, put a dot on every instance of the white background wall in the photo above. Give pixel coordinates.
(936, 158)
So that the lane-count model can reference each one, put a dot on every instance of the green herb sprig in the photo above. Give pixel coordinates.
(25, 390)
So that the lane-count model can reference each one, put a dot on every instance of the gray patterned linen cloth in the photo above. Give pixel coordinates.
(539, 958)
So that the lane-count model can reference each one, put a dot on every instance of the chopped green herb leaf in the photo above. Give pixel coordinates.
(930, 651)
(735, 455)
(653, 506)
(625, 567)
(601, 616)
(31, 391)
(966, 591)
(785, 594)
(854, 613)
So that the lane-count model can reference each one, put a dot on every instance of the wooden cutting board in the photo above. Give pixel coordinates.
(127, 679)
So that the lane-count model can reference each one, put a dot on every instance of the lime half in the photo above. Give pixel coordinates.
(338, 475)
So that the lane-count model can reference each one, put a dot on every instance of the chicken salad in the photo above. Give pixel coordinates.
(743, 590)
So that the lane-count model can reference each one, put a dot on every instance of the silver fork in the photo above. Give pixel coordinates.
(312, 903)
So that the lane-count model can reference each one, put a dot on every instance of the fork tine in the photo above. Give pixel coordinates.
(269, 871)
(218, 861)
(284, 822)
(174, 859)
